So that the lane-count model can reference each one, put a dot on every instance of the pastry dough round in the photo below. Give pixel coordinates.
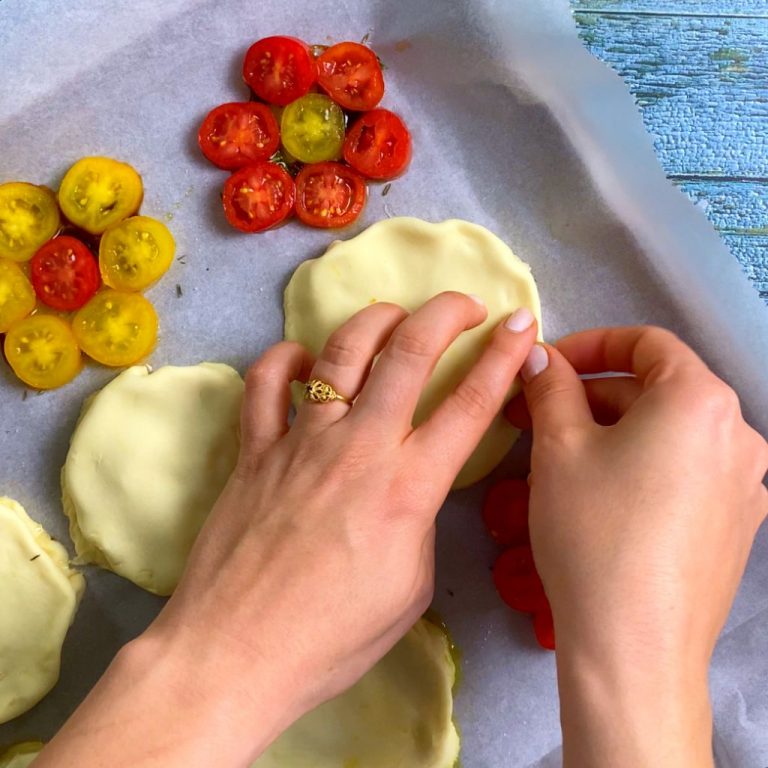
(147, 461)
(21, 755)
(398, 716)
(39, 594)
(407, 261)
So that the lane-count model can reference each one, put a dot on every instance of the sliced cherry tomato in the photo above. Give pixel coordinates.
(378, 145)
(258, 197)
(29, 216)
(517, 581)
(544, 627)
(98, 191)
(64, 273)
(279, 69)
(329, 195)
(136, 252)
(505, 512)
(236, 134)
(116, 328)
(350, 73)
(42, 351)
(312, 129)
(17, 297)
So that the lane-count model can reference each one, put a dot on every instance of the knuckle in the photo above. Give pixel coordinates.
(262, 372)
(410, 344)
(473, 400)
(342, 350)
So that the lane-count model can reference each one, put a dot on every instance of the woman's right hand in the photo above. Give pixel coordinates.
(646, 494)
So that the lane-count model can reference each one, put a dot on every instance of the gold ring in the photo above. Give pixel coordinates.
(317, 391)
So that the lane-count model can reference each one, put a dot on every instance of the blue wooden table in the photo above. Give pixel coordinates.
(699, 71)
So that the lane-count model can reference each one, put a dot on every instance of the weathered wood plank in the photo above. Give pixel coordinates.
(702, 83)
(704, 7)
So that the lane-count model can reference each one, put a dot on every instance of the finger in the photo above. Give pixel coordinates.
(396, 383)
(267, 398)
(610, 398)
(456, 427)
(554, 393)
(346, 359)
(646, 351)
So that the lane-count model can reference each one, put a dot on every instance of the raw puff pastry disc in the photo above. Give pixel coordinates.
(39, 594)
(398, 716)
(21, 755)
(147, 461)
(407, 261)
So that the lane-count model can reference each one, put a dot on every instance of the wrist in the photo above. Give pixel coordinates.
(633, 709)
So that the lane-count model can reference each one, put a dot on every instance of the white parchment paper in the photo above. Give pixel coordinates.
(515, 127)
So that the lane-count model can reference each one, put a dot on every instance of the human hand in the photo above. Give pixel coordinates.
(641, 529)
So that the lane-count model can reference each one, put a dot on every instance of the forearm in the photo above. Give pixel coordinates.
(160, 705)
(632, 715)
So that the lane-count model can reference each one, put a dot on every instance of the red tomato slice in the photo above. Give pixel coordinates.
(517, 582)
(505, 512)
(237, 134)
(378, 145)
(64, 273)
(329, 195)
(351, 75)
(544, 627)
(279, 69)
(258, 197)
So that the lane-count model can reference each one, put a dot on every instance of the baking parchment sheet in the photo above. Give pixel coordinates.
(515, 127)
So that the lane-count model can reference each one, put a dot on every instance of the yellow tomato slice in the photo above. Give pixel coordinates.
(29, 216)
(17, 296)
(312, 128)
(97, 192)
(116, 328)
(135, 253)
(42, 351)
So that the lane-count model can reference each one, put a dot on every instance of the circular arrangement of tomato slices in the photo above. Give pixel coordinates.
(315, 115)
(82, 251)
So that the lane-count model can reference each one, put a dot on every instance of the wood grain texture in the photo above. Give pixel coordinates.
(695, 7)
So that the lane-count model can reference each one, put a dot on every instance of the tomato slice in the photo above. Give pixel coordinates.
(517, 581)
(544, 627)
(29, 216)
(505, 512)
(17, 297)
(279, 69)
(329, 195)
(64, 273)
(312, 129)
(42, 351)
(258, 197)
(378, 145)
(136, 252)
(98, 191)
(350, 73)
(116, 328)
(236, 134)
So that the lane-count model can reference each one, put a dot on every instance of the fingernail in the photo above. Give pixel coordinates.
(536, 362)
(476, 299)
(520, 320)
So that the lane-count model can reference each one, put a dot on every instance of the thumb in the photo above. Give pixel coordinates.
(555, 395)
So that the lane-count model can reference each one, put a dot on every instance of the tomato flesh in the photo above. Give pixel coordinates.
(116, 328)
(236, 134)
(329, 195)
(312, 129)
(350, 73)
(378, 145)
(544, 627)
(17, 297)
(505, 512)
(97, 192)
(258, 197)
(64, 273)
(42, 351)
(135, 253)
(29, 216)
(517, 581)
(279, 69)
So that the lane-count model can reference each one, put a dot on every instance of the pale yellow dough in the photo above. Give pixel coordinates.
(400, 715)
(149, 457)
(407, 261)
(21, 755)
(39, 594)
